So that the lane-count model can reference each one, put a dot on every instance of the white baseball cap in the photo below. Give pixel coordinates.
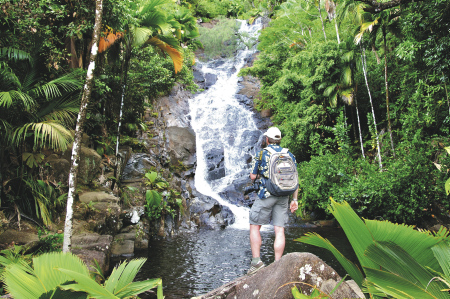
(273, 133)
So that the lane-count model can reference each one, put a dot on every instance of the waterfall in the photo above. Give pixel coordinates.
(223, 126)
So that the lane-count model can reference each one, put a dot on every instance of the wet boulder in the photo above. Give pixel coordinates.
(215, 163)
(181, 145)
(208, 213)
(210, 80)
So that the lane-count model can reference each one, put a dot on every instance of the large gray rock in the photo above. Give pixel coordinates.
(208, 213)
(181, 144)
(104, 211)
(276, 280)
(89, 165)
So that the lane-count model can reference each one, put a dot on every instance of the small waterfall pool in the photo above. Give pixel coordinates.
(192, 264)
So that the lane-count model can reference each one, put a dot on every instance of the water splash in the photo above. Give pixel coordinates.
(222, 124)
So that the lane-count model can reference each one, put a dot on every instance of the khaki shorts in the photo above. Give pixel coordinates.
(272, 207)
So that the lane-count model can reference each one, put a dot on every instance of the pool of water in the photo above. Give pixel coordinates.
(192, 264)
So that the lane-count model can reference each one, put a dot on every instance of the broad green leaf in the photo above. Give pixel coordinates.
(442, 253)
(151, 176)
(86, 284)
(153, 198)
(394, 259)
(396, 286)
(298, 295)
(416, 243)
(22, 281)
(447, 187)
(358, 234)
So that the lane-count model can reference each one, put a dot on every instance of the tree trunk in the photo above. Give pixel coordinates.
(387, 93)
(337, 31)
(125, 65)
(363, 61)
(87, 90)
(321, 19)
(359, 127)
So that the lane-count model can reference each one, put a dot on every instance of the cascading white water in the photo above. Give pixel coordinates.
(220, 122)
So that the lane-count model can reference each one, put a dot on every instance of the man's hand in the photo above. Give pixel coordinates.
(294, 206)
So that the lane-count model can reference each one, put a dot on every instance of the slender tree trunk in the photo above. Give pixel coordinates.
(363, 61)
(376, 54)
(321, 19)
(359, 127)
(124, 85)
(73, 174)
(337, 31)
(387, 93)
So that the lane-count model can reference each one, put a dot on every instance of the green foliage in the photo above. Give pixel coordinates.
(50, 242)
(397, 261)
(220, 40)
(160, 198)
(64, 275)
(366, 189)
(48, 201)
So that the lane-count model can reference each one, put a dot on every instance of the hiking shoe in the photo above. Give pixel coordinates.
(254, 268)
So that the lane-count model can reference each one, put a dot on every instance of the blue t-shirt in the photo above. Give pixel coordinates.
(261, 167)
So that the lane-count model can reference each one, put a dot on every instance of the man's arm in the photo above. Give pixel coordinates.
(294, 202)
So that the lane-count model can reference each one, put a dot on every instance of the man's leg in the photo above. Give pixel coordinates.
(279, 243)
(255, 240)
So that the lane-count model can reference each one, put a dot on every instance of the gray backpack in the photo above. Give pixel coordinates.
(283, 175)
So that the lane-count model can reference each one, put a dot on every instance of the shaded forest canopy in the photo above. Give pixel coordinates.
(358, 88)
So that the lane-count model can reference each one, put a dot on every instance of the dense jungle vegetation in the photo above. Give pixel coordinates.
(358, 89)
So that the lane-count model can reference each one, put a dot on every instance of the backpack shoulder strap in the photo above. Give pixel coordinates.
(270, 150)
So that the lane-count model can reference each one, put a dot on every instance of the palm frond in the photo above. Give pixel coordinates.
(395, 286)
(175, 55)
(123, 275)
(55, 88)
(23, 281)
(9, 80)
(15, 54)
(9, 98)
(141, 35)
(364, 27)
(347, 76)
(109, 38)
(45, 133)
(149, 5)
(358, 234)
(416, 243)
(394, 259)
(442, 253)
(63, 110)
(153, 19)
(85, 284)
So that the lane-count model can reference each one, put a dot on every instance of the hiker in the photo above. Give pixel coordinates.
(268, 206)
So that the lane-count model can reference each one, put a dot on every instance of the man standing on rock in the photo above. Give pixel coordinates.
(268, 206)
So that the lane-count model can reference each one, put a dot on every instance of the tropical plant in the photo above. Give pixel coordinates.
(33, 109)
(397, 260)
(152, 27)
(64, 275)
